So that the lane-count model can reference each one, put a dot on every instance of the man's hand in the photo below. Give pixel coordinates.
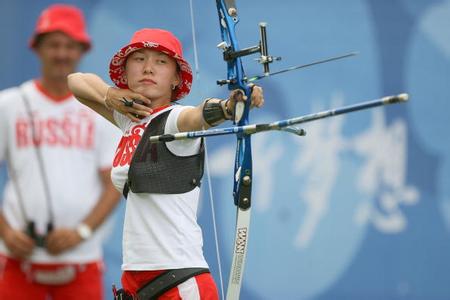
(18, 243)
(131, 104)
(62, 239)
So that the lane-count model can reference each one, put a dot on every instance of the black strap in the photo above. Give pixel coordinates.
(122, 295)
(40, 159)
(166, 281)
(126, 189)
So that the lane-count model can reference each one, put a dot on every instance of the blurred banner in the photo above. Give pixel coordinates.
(359, 208)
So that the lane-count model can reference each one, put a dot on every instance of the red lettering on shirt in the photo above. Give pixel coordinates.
(52, 127)
(37, 141)
(127, 145)
(21, 132)
(70, 130)
(87, 142)
(66, 127)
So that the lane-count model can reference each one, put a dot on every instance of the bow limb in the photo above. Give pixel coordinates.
(243, 162)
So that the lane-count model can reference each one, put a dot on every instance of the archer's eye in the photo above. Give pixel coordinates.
(137, 56)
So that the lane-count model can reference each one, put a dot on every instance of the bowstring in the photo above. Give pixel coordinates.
(208, 174)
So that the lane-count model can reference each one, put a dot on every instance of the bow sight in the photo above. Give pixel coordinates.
(230, 54)
(265, 59)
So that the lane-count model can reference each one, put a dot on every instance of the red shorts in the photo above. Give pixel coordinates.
(23, 281)
(198, 287)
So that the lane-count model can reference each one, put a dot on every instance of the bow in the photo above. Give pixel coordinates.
(243, 173)
(243, 178)
(236, 79)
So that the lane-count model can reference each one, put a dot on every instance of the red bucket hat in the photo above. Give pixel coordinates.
(158, 40)
(65, 18)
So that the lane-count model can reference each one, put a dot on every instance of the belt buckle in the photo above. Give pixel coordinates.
(61, 275)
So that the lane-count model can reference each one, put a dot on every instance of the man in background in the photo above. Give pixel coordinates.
(59, 156)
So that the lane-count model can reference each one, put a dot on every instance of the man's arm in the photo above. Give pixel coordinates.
(108, 201)
(19, 244)
(60, 240)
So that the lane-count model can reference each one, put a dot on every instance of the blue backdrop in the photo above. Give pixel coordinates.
(357, 209)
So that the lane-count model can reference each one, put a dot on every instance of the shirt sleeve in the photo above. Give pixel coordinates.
(3, 132)
(5, 114)
(185, 147)
(122, 121)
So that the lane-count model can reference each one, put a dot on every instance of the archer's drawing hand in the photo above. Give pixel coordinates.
(133, 105)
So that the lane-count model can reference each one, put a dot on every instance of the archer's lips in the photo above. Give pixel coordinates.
(147, 81)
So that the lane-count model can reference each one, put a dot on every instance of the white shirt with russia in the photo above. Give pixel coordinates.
(75, 144)
(160, 230)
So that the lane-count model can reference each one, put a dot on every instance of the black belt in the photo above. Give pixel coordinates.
(166, 281)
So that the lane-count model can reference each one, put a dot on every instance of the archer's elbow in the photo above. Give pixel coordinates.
(73, 79)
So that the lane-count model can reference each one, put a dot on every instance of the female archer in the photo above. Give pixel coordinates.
(162, 241)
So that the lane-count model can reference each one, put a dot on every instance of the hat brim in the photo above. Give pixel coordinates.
(117, 67)
(78, 37)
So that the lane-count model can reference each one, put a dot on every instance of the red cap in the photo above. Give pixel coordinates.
(65, 18)
(158, 40)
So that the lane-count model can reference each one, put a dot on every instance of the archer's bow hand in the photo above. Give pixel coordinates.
(257, 96)
(234, 105)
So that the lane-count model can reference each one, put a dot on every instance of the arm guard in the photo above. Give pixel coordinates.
(215, 111)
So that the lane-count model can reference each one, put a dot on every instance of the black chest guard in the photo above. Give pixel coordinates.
(154, 169)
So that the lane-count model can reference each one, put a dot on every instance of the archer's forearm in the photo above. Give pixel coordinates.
(199, 117)
(88, 87)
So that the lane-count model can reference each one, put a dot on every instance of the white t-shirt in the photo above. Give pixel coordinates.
(75, 144)
(160, 230)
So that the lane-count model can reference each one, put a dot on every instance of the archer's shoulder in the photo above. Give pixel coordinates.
(177, 108)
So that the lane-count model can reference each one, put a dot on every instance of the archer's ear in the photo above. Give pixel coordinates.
(177, 79)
